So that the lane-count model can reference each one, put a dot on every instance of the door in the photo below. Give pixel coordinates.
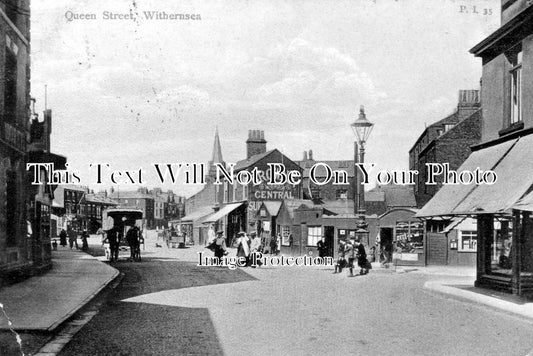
(386, 247)
(329, 234)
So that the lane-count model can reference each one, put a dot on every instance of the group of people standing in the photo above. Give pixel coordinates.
(349, 251)
(72, 236)
(247, 247)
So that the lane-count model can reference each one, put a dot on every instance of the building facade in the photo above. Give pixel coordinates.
(16, 255)
(446, 141)
(502, 209)
(328, 191)
(139, 199)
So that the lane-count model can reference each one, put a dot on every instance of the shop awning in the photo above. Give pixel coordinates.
(450, 197)
(515, 177)
(526, 203)
(197, 214)
(223, 211)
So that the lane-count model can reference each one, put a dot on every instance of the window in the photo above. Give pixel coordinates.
(262, 213)
(244, 192)
(225, 192)
(516, 85)
(341, 194)
(10, 90)
(314, 234)
(285, 232)
(448, 127)
(11, 208)
(467, 241)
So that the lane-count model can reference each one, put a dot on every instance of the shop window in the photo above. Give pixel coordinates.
(285, 235)
(467, 241)
(409, 237)
(515, 59)
(314, 234)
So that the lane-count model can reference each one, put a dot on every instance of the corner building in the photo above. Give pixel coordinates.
(503, 210)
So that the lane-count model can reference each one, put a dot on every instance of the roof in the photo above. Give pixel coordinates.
(388, 212)
(131, 194)
(249, 162)
(511, 162)
(272, 207)
(526, 203)
(394, 195)
(506, 35)
(293, 204)
(339, 207)
(197, 214)
(96, 198)
(320, 171)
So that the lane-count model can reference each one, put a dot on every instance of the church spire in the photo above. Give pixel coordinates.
(217, 156)
(217, 151)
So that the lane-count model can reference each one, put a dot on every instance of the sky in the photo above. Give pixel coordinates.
(136, 92)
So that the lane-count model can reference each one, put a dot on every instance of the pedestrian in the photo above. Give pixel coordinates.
(322, 248)
(211, 236)
(113, 238)
(84, 237)
(243, 246)
(255, 249)
(362, 261)
(220, 245)
(341, 261)
(131, 238)
(274, 245)
(63, 238)
(72, 237)
(350, 253)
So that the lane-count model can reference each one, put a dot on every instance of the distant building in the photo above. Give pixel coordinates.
(446, 141)
(328, 191)
(139, 199)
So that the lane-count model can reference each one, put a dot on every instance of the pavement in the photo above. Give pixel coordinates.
(44, 302)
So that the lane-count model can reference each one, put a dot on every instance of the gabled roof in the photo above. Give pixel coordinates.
(395, 195)
(250, 162)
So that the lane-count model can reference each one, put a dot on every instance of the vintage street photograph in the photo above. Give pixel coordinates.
(244, 177)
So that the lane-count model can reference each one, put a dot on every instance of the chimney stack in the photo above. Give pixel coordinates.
(256, 143)
(305, 156)
(311, 155)
(469, 103)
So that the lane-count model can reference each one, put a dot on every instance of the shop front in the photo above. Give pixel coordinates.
(402, 239)
(504, 238)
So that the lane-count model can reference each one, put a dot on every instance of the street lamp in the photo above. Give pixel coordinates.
(362, 129)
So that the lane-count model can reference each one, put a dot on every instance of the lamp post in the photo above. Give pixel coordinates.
(362, 129)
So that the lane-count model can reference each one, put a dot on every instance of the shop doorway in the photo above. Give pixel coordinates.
(386, 247)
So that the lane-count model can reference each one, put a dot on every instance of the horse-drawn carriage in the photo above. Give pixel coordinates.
(122, 233)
